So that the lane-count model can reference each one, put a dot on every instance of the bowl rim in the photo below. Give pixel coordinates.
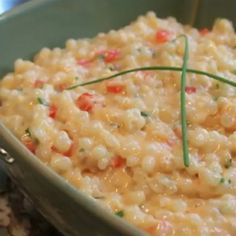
(11, 142)
(21, 8)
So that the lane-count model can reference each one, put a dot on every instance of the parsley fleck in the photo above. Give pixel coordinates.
(101, 57)
(222, 180)
(42, 101)
(81, 150)
(28, 132)
(120, 213)
(111, 67)
(145, 113)
(228, 163)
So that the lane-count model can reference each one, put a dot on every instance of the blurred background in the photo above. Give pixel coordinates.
(6, 5)
(203, 14)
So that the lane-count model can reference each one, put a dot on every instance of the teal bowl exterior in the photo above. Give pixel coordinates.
(39, 23)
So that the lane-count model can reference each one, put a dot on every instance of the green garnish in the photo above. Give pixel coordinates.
(42, 101)
(145, 113)
(228, 163)
(120, 213)
(160, 68)
(184, 70)
(183, 104)
(101, 57)
(81, 150)
(222, 180)
(111, 67)
(28, 132)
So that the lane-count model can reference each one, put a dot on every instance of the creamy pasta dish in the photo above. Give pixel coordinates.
(120, 140)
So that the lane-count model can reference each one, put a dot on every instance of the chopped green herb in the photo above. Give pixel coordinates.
(101, 57)
(217, 86)
(28, 132)
(139, 50)
(222, 180)
(81, 150)
(99, 197)
(76, 78)
(145, 113)
(120, 213)
(183, 115)
(215, 98)
(111, 67)
(42, 101)
(160, 68)
(154, 54)
(228, 163)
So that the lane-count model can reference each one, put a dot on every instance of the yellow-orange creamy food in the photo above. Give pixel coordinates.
(120, 140)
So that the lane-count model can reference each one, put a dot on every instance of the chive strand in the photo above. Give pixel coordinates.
(160, 68)
(183, 103)
(184, 70)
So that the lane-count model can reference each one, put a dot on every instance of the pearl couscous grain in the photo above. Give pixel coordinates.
(120, 140)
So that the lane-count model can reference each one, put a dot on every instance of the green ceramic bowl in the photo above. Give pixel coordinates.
(26, 29)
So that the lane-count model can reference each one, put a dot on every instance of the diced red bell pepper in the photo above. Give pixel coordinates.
(110, 55)
(190, 90)
(69, 152)
(162, 36)
(39, 83)
(29, 143)
(204, 31)
(178, 132)
(118, 162)
(52, 111)
(62, 87)
(115, 88)
(85, 102)
(163, 227)
(84, 62)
